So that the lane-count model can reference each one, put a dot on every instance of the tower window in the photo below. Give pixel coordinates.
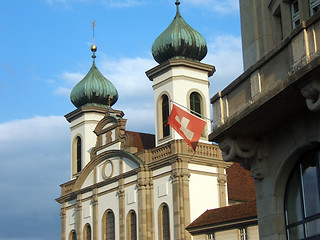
(295, 16)
(195, 104)
(165, 115)
(79, 158)
(302, 199)
(314, 6)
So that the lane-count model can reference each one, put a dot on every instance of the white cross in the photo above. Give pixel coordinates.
(184, 124)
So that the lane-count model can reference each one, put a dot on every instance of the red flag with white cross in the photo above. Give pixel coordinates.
(187, 125)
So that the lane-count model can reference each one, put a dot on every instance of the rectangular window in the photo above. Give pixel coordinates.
(243, 234)
(314, 6)
(295, 16)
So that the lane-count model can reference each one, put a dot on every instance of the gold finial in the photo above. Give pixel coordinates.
(93, 47)
(109, 101)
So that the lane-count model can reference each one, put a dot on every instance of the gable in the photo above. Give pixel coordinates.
(107, 167)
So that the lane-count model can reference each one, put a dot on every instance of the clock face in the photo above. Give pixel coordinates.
(107, 169)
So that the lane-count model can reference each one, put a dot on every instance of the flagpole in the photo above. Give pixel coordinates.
(192, 111)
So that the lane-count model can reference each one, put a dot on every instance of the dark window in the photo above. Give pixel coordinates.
(73, 235)
(133, 226)
(110, 228)
(165, 223)
(295, 16)
(314, 6)
(195, 103)
(88, 232)
(302, 199)
(165, 116)
(78, 154)
(243, 233)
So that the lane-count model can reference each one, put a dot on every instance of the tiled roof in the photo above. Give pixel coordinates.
(226, 214)
(240, 184)
(141, 140)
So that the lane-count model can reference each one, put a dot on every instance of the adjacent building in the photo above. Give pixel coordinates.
(268, 118)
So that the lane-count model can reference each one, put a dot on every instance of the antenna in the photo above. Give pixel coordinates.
(93, 47)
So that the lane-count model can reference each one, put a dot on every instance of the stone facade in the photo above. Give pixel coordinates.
(268, 118)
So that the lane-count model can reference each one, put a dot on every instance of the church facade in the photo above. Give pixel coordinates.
(129, 185)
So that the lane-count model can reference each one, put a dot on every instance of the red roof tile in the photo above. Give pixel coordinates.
(226, 214)
(240, 184)
(141, 140)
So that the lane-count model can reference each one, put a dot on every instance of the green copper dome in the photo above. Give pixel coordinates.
(94, 89)
(179, 40)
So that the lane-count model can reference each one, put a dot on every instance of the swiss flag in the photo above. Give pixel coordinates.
(187, 125)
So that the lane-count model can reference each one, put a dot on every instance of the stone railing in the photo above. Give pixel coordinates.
(181, 147)
(269, 74)
(67, 187)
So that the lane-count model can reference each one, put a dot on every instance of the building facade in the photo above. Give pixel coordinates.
(268, 118)
(128, 185)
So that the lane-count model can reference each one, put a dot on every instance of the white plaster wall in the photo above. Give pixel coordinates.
(227, 235)
(202, 196)
(253, 232)
(84, 127)
(105, 202)
(71, 218)
(165, 196)
(129, 165)
(131, 203)
(202, 168)
(86, 214)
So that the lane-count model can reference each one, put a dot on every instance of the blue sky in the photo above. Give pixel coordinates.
(45, 51)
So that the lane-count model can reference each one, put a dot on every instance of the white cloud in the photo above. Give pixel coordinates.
(220, 6)
(34, 160)
(226, 55)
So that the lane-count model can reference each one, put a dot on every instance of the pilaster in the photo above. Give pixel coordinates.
(145, 206)
(63, 221)
(222, 185)
(181, 203)
(79, 216)
(122, 217)
(94, 203)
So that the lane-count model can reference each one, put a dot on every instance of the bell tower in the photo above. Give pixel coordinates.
(93, 97)
(180, 77)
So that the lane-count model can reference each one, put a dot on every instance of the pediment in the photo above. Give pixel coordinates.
(107, 167)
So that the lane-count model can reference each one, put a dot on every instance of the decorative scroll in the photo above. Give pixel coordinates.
(311, 92)
(249, 152)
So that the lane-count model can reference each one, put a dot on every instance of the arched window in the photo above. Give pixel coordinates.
(302, 199)
(195, 104)
(72, 235)
(78, 158)
(87, 232)
(164, 222)
(165, 115)
(132, 225)
(109, 226)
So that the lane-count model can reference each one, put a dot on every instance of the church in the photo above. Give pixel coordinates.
(130, 185)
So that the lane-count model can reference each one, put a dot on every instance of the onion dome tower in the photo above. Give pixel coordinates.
(94, 89)
(179, 41)
(180, 77)
(93, 97)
